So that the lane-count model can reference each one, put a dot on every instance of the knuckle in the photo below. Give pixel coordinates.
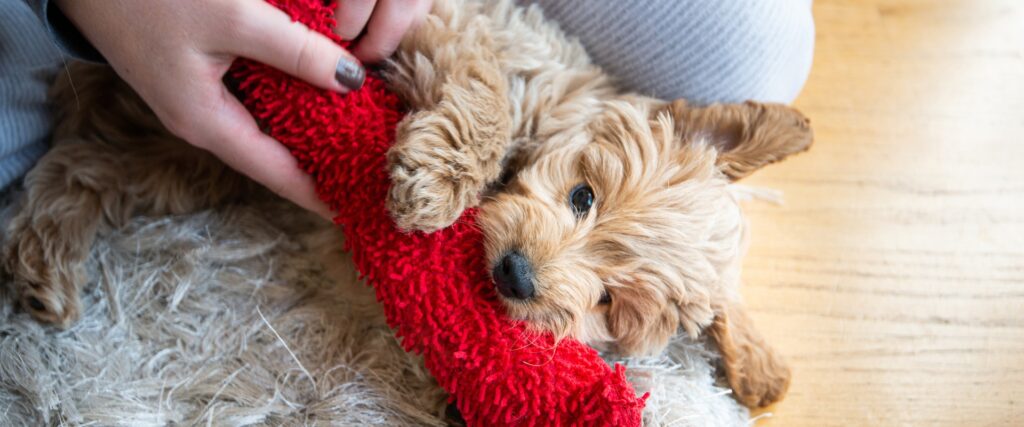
(307, 54)
(383, 46)
(236, 19)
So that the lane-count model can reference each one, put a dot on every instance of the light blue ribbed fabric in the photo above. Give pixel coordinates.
(28, 63)
(703, 51)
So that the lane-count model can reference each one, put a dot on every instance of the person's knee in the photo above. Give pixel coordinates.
(766, 56)
(736, 50)
(721, 51)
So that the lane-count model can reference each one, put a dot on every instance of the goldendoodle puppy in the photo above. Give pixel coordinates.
(607, 215)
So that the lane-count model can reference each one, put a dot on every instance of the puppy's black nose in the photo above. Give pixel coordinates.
(514, 276)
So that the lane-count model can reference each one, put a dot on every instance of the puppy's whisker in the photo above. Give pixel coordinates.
(523, 335)
(551, 355)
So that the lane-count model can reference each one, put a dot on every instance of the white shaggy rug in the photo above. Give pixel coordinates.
(252, 315)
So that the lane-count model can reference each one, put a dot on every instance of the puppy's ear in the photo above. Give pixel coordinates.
(748, 136)
(756, 373)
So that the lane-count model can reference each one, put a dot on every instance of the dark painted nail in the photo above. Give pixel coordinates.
(350, 73)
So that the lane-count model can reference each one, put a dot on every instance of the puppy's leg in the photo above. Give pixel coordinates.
(453, 144)
(49, 237)
(756, 373)
(79, 189)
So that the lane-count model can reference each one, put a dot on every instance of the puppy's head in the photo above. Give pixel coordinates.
(623, 233)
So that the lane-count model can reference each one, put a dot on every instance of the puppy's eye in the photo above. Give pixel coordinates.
(581, 199)
(606, 299)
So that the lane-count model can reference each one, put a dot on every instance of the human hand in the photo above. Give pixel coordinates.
(174, 53)
(384, 22)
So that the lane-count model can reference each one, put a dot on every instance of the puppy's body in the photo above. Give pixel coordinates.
(613, 224)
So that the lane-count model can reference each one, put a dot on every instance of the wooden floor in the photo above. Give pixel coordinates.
(893, 276)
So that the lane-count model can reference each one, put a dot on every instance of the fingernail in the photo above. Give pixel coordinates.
(349, 73)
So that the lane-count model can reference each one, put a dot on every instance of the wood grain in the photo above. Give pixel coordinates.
(893, 276)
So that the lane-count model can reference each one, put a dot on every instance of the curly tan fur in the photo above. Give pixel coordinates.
(480, 79)
(749, 135)
(498, 96)
(757, 375)
(665, 240)
(111, 160)
(453, 143)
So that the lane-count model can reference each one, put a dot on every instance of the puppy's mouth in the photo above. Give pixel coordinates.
(541, 317)
(515, 280)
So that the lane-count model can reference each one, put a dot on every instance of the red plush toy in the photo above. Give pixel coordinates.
(435, 288)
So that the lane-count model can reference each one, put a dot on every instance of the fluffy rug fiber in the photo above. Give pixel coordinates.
(252, 315)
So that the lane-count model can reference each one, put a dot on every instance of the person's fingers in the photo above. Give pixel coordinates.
(389, 23)
(352, 16)
(232, 136)
(271, 37)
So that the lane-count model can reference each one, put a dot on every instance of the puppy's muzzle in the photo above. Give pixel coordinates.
(514, 276)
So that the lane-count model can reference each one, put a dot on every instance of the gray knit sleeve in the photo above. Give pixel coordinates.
(71, 42)
(703, 51)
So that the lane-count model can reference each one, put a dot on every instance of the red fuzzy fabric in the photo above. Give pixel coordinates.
(435, 288)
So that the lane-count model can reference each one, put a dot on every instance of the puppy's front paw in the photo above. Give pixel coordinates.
(761, 386)
(432, 181)
(45, 278)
